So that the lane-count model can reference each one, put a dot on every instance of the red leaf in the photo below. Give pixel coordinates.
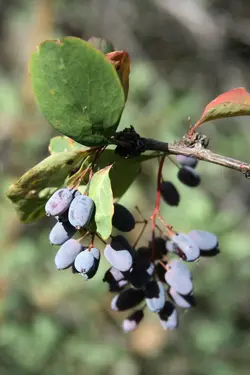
(232, 103)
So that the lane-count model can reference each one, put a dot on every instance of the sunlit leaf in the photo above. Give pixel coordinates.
(63, 144)
(101, 192)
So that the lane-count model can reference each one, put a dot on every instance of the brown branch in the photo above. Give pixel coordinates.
(200, 153)
(131, 144)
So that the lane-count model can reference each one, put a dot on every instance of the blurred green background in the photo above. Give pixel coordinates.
(183, 54)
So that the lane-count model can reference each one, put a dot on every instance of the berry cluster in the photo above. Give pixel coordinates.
(163, 283)
(154, 276)
(73, 211)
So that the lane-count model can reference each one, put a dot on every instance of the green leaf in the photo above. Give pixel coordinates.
(124, 171)
(31, 192)
(82, 189)
(77, 89)
(63, 144)
(122, 176)
(101, 193)
(47, 192)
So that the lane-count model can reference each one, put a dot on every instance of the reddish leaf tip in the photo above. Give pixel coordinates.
(235, 102)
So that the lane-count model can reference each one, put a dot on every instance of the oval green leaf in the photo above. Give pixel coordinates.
(101, 193)
(31, 192)
(77, 90)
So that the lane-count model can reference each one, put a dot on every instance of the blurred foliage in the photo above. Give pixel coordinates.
(183, 53)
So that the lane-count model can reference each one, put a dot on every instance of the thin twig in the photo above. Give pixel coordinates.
(198, 152)
(144, 222)
(194, 144)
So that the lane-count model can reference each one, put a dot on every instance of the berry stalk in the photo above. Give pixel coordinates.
(157, 204)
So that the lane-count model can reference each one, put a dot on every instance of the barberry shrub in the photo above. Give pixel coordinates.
(81, 88)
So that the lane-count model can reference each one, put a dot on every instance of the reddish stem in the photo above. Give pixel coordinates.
(98, 153)
(83, 174)
(92, 241)
(78, 179)
(144, 222)
(81, 238)
(163, 265)
(168, 228)
(157, 204)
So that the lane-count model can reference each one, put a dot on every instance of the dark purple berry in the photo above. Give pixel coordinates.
(179, 277)
(169, 193)
(117, 286)
(159, 248)
(168, 316)
(140, 274)
(122, 218)
(132, 321)
(61, 232)
(120, 259)
(119, 254)
(155, 295)
(67, 253)
(187, 161)
(160, 272)
(127, 299)
(205, 240)
(186, 247)
(182, 301)
(59, 202)
(87, 262)
(189, 177)
(81, 211)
